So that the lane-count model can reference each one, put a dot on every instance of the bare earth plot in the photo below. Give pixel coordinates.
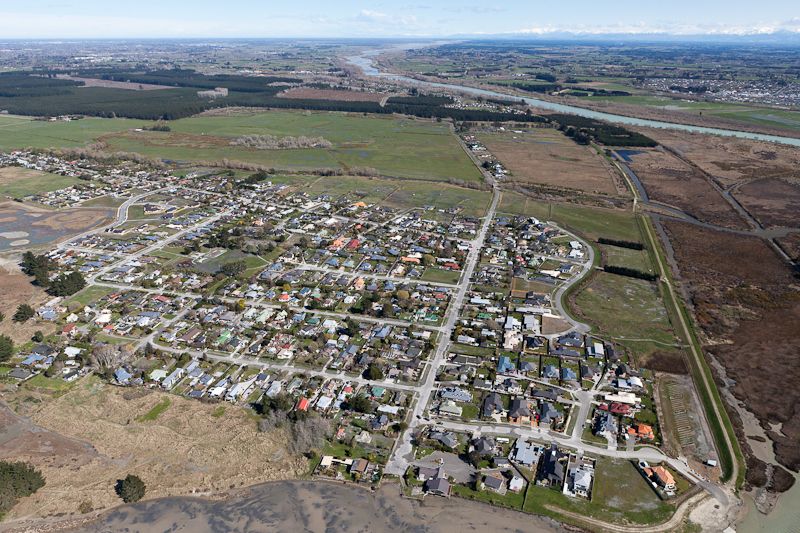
(102, 436)
(546, 157)
(669, 180)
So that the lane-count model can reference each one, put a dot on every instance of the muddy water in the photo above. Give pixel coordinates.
(312, 506)
(784, 518)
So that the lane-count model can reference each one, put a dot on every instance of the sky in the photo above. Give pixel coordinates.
(36, 19)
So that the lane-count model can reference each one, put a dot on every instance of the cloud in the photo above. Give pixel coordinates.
(666, 28)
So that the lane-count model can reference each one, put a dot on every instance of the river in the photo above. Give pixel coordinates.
(316, 506)
(365, 63)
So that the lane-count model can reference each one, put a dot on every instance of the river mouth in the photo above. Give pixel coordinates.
(366, 64)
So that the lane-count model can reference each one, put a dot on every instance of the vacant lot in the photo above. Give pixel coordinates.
(620, 495)
(626, 309)
(773, 201)
(546, 157)
(310, 93)
(109, 432)
(590, 222)
(669, 180)
(748, 303)
(18, 182)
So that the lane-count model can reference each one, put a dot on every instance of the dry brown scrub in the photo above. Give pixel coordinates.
(739, 166)
(185, 450)
(310, 93)
(791, 245)
(271, 142)
(546, 157)
(16, 289)
(747, 303)
(730, 160)
(773, 201)
(669, 180)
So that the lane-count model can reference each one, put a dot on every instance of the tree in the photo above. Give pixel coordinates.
(17, 480)
(38, 336)
(6, 348)
(234, 268)
(361, 404)
(67, 284)
(280, 403)
(24, 313)
(374, 372)
(131, 489)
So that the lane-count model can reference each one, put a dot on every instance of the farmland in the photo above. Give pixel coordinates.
(21, 182)
(547, 157)
(400, 147)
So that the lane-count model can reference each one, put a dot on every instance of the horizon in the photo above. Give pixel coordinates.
(358, 19)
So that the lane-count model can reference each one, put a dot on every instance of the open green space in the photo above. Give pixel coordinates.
(394, 146)
(590, 222)
(749, 114)
(625, 257)
(437, 275)
(19, 132)
(620, 494)
(156, 411)
(402, 147)
(88, 295)
(624, 307)
(19, 182)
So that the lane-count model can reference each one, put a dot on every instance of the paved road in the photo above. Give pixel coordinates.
(121, 218)
(404, 451)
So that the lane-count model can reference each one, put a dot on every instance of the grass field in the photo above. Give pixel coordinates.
(590, 222)
(156, 411)
(88, 295)
(438, 275)
(23, 132)
(402, 147)
(620, 495)
(625, 307)
(625, 257)
(394, 146)
(18, 182)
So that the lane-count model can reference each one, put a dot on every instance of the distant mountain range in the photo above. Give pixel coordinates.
(777, 37)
